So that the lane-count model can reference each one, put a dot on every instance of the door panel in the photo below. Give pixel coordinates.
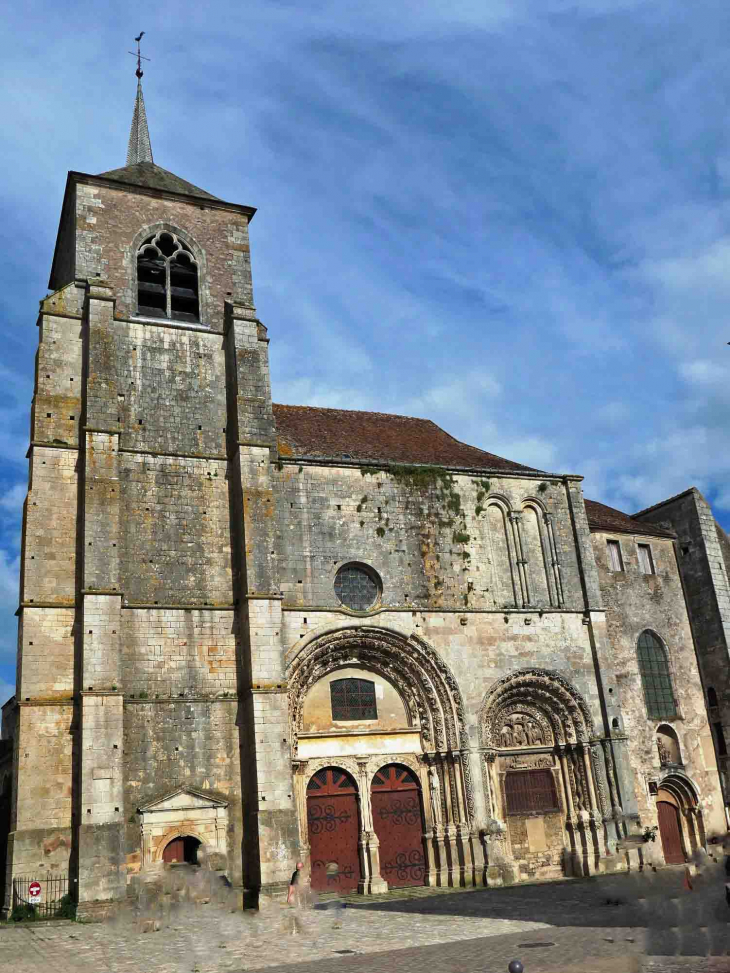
(398, 823)
(670, 833)
(334, 830)
(174, 851)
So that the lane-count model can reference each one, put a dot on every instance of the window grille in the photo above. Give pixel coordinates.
(357, 587)
(655, 678)
(353, 699)
(167, 279)
(614, 556)
(646, 561)
(528, 791)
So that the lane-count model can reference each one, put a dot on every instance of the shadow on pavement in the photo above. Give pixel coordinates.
(678, 919)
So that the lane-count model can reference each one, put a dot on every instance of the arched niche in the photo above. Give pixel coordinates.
(536, 553)
(668, 746)
(504, 583)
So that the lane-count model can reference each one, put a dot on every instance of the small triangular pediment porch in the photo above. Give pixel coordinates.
(184, 798)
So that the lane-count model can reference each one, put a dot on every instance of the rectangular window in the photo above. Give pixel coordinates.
(353, 699)
(646, 561)
(530, 791)
(614, 556)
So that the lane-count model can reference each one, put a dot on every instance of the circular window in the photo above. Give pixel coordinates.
(357, 587)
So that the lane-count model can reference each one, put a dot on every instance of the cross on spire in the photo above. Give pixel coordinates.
(139, 148)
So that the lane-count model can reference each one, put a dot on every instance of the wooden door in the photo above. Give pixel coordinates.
(670, 833)
(174, 851)
(398, 823)
(334, 831)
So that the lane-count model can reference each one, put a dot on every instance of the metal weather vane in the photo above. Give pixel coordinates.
(139, 72)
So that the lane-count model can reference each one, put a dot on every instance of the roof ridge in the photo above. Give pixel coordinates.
(365, 412)
(382, 437)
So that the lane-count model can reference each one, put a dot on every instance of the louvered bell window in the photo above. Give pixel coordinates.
(353, 699)
(167, 279)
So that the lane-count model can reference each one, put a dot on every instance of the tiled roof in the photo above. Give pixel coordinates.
(306, 431)
(154, 177)
(602, 517)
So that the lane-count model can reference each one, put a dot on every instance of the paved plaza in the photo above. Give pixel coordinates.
(658, 926)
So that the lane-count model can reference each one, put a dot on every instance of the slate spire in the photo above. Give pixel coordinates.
(139, 148)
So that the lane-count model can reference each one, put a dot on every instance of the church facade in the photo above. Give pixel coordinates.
(255, 634)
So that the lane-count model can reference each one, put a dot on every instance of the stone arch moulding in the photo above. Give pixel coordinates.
(408, 760)
(682, 787)
(173, 833)
(152, 229)
(346, 764)
(543, 692)
(426, 684)
(506, 578)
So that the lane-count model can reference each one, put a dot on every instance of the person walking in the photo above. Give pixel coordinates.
(295, 885)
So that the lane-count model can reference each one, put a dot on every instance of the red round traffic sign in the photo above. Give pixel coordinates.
(34, 888)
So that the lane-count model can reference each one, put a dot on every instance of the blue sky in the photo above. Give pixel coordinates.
(509, 216)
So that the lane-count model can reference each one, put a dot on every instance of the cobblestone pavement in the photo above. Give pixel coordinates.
(450, 931)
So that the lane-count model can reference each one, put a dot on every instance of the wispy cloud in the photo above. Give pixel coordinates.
(512, 217)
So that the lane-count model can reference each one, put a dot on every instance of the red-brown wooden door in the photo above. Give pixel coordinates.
(670, 833)
(398, 823)
(334, 831)
(174, 851)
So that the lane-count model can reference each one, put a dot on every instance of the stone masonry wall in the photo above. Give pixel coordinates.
(635, 602)
(432, 543)
(174, 531)
(172, 653)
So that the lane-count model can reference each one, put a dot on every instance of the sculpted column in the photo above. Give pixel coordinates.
(371, 881)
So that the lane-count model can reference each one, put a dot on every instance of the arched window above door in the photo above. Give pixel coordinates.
(167, 279)
(655, 678)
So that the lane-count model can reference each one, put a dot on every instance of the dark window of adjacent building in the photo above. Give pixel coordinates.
(353, 699)
(646, 561)
(357, 587)
(167, 279)
(530, 791)
(720, 737)
(711, 697)
(655, 678)
(614, 556)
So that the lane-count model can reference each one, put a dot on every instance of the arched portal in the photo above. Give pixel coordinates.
(670, 830)
(182, 849)
(679, 817)
(398, 823)
(546, 781)
(363, 697)
(332, 823)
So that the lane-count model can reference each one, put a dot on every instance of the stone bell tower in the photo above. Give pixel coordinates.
(150, 702)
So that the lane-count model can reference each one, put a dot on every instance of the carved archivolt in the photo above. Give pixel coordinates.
(308, 768)
(534, 705)
(422, 678)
